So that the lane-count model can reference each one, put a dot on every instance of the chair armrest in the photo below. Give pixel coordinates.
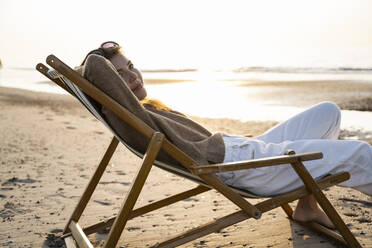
(256, 163)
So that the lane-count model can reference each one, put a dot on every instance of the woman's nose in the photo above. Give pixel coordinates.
(132, 75)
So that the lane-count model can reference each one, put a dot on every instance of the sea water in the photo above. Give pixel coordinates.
(217, 94)
(222, 96)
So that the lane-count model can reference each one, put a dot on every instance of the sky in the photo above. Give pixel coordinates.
(181, 33)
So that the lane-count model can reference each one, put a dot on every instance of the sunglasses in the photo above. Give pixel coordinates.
(109, 44)
(105, 50)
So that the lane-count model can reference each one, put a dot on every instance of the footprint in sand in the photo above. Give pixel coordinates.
(351, 214)
(103, 203)
(121, 173)
(15, 180)
(364, 220)
(133, 228)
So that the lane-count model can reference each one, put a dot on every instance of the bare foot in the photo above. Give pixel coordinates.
(307, 209)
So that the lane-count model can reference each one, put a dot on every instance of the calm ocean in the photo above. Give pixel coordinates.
(353, 64)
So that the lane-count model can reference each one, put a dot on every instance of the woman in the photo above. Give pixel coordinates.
(315, 129)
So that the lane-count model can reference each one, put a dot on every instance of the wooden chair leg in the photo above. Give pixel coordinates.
(70, 242)
(134, 191)
(79, 236)
(288, 210)
(92, 184)
(323, 201)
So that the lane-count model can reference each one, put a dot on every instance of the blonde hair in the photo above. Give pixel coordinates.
(154, 103)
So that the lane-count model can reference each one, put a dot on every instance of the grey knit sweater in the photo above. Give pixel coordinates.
(190, 137)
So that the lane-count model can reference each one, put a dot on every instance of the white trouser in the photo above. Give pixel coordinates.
(315, 129)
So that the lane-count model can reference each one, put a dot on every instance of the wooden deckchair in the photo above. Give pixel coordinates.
(204, 176)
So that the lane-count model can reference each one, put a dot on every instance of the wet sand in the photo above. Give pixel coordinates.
(50, 146)
(348, 94)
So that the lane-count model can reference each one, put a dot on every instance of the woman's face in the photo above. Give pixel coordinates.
(131, 75)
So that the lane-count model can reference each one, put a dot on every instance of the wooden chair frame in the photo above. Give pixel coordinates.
(75, 235)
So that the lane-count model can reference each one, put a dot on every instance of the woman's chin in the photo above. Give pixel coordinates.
(141, 94)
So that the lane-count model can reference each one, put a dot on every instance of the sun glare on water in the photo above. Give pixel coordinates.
(209, 95)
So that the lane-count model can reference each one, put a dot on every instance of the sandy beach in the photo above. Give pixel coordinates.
(50, 146)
